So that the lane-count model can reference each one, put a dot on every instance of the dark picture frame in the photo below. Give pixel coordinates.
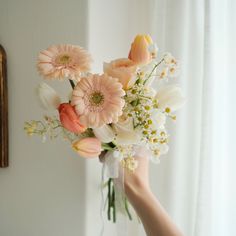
(4, 162)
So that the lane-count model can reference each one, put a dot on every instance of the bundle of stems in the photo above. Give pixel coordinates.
(111, 197)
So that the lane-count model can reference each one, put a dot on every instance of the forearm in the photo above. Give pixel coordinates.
(153, 216)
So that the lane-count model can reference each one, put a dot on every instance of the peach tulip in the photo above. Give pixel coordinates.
(88, 147)
(69, 119)
(139, 52)
(123, 69)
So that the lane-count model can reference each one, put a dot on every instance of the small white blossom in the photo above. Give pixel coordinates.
(169, 59)
(159, 118)
(174, 70)
(153, 49)
(163, 73)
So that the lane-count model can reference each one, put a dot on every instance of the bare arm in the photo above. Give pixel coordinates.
(155, 219)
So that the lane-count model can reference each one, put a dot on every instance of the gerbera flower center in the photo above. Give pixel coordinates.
(64, 59)
(96, 98)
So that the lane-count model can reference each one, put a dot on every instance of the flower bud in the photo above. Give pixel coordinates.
(69, 119)
(88, 147)
(139, 52)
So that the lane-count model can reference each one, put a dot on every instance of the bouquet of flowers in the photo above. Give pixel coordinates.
(114, 114)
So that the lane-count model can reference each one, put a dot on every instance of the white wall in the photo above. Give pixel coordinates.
(42, 193)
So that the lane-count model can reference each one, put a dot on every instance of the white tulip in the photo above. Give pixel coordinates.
(48, 97)
(104, 133)
(170, 96)
(125, 132)
(158, 118)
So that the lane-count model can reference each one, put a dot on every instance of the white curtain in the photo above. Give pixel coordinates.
(195, 181)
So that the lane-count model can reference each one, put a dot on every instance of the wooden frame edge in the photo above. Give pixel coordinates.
(4, 152)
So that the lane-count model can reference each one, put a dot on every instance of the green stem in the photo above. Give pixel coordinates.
(58, 126)
(127, 209)
(42, 124)
(138, 80)
(113, 204)
(109, 200)
(144, 97)
(106, 146)
(153, 70)
(72, 83)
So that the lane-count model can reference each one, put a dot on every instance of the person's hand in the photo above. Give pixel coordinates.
(138, 180)
(137, 189)
(153, 216)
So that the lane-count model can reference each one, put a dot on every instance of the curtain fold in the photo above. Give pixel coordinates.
(196, 181)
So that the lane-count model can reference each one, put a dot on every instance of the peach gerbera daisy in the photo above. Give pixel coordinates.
(98, 100)
(63, 61)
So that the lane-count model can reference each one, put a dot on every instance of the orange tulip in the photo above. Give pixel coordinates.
(139, 52)
(69, 119)
(88, 147)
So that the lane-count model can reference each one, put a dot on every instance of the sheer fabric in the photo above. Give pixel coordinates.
(195, 181)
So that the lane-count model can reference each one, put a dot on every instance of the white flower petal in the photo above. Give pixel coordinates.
(48, 97)
(127, 138)
(170, 96)
(104, 133)
(159, 119)
(125, 132)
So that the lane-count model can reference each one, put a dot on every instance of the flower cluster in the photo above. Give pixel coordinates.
(123, 108)
(120, 108)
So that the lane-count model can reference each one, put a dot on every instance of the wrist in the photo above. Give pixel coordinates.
(136, 189)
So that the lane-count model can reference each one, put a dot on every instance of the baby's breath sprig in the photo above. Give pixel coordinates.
(129, 163)
(51, 127)
(142, 107)
(154, 68)
(34, 127)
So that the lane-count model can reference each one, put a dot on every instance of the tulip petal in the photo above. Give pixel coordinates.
(48, 97)
(69, 119)
(88, 147)
(104, 133)
(125, 133)
(139, 52)
(170, 96)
